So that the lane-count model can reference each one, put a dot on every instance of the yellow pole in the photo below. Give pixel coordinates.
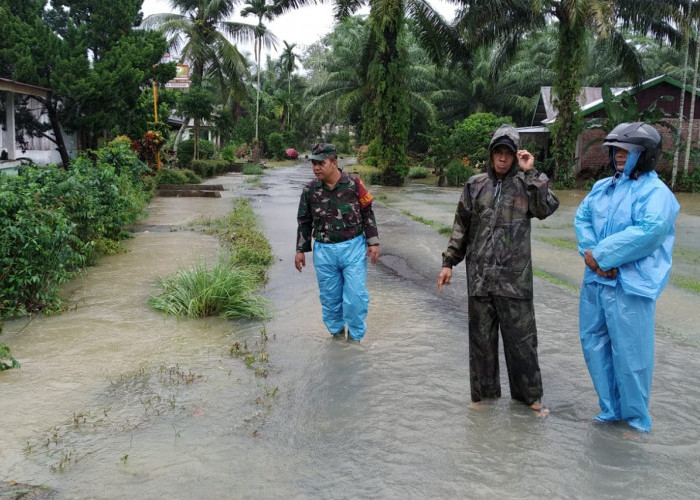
(155, 113)
(155, 100)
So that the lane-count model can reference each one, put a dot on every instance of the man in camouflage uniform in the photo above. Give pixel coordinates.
(335, 211)
(491, 232)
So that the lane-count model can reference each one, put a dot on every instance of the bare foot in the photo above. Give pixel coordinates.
(477, 405)
(539, 409)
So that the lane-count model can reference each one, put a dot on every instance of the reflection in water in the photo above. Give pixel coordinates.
(116, 401)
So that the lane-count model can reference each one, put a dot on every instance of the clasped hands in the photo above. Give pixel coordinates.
(593, 266)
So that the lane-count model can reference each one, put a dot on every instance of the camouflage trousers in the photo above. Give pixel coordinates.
(516, 320)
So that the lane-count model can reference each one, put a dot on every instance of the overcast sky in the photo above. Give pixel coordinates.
(301, 27)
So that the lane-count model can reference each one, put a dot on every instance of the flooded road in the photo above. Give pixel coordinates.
(114, 400)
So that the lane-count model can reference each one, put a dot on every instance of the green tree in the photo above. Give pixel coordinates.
(507, 23)
(385, 115)
(261, 9)
(289, 60)
(89, 56)
(197, 103)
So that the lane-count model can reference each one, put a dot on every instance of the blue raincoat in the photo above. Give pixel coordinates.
(628, 224)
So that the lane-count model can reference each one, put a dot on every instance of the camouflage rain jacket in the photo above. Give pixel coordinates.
(335, 215)
(491, 230)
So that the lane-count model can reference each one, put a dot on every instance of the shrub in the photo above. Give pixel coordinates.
(457, 173)
(689, 182)
(209, 168)
(418, 173)
(177, 176)
(228, 153)
(185, 151)
(275, 146)
(53, 222)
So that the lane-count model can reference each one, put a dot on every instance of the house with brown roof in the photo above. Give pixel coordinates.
(590, 156)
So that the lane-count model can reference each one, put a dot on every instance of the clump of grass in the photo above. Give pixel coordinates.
(252, 170)
(229, 288)
(445, 230)
(554, 280)
(221, 290)
(688, 284)
(441, 228)
(560, 242)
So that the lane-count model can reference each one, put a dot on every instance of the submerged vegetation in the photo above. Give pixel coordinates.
(6, 359)
(229, 287)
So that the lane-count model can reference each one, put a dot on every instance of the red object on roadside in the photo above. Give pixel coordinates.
(291, 153)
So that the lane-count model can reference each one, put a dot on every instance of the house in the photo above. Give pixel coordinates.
(38, 150)
(589, 154)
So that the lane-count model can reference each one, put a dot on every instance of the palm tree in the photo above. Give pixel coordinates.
(338, 86)
(289, 59)
(262, 10)
(200, 34)
(507, 23)
(385, 113)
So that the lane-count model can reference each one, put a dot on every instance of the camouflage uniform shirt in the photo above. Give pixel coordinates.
(335, 215)
(491, 231)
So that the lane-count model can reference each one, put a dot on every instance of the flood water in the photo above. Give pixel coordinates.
(115, 400)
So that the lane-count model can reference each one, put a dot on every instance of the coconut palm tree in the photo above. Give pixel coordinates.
(261, 9)
(201, 35)
(507, 23)
(385, 95)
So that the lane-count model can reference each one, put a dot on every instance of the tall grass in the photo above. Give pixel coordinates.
(228, 288)
(222, 290)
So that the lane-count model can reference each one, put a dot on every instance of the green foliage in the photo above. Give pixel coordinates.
(418, 173)
(209, 168)
(252, 170)
(223, 290)
(228, 153)
(689, 182)
(177, 176)
(275, 146)
(6, 359)
(457, 173)
(39, 249)
(54, 222)
(185, 151)
(471, 137)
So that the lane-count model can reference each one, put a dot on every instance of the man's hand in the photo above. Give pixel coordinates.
(299, 260)
(444, 277)
(590, 261)
(593, 266)
(373, 253)
(526, 161)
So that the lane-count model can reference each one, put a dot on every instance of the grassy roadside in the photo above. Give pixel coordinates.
(229, 287)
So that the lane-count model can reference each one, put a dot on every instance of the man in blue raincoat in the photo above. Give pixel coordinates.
(625, 234)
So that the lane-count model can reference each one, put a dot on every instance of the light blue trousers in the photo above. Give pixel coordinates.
(617, 337)
(341, 271)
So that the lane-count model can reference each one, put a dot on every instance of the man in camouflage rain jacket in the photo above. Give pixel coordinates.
(491, 232)
(335, 211)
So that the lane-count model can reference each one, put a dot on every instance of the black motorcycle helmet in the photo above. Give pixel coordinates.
(636, 135)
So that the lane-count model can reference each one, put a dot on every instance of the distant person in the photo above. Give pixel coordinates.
(625, 234)
(335, 211)
(491, 233)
